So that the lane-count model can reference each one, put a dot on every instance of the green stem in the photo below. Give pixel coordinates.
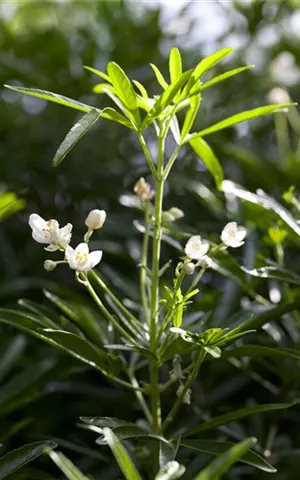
(144, 265)
(147, 155)
(179, 401)
(154, 369)
(196, 280)
(171, 162)
(108, 315)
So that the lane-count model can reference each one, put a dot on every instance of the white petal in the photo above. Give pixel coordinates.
(82, 249)
(93, 260)
(36, 222)
(52, 248)
(70, 257)
(241, 233)
(39, 237)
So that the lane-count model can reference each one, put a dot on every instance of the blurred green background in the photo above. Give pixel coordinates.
(45, 45)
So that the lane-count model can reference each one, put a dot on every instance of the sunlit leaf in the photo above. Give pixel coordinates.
(175, 65)
(75, 134)
(239, 118)
(124, 89)
(204, 151)
(159, 76)
(224, 76)
(53, 97)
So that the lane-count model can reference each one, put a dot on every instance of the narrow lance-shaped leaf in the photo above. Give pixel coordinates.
(223, 462)
(16, 459)
(75, 134)
(159, 76)
(99, 73)
(273, 272)
(125, 463)
(166, 98)
(175, 65)
(205, 65)
(66, 466)
(203, 150)
(124, 89)
(112, 114)
(224, 76)
(190, 116)
(236, 415)
(72, 344)
(259, 351)
(53, 97)
(216, 448)
(263, 200)
(239, 118)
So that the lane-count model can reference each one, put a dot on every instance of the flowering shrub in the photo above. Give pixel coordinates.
(158, 332)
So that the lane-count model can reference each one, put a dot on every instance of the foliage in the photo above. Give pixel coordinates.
(246, 298)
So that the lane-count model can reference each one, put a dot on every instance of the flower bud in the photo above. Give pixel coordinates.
(205, 262)
(143, 190)
(95, 219)
(278, 96)
(188, 268)
(176, 213)
(49, 265)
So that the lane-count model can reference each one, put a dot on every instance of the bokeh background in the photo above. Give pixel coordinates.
(45, 45)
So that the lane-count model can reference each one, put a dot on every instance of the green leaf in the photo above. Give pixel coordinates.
(270, 314)
(66, 466)
(236, 415)
(239, 118)
(195, 102)
(15, 459)
(112, 114)
(205, 65)
(125, 463)
(263, 200)
(258, 351)
(141, 89)
(166, 98)
(159, 76)
(122, 429)
(174, 127)
(203, 150)
(216, 448)
(53, 97)
(223, 462)
(224, 76)
(70, 343)
(171, 471)
(124, 89)
(273, 272)
(99, 73)
(175, 65)
(75, 134)
(10, 204)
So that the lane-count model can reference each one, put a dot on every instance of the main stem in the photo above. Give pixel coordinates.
(154, 368)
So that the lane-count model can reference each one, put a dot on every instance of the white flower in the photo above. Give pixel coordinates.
(80, 259)
(95, 219)
(278, 96)
(196, 248)
(49, 265)
(233, 235)
(48, 232)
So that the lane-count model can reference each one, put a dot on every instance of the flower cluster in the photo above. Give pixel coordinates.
(79, 259)
(196, 248)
